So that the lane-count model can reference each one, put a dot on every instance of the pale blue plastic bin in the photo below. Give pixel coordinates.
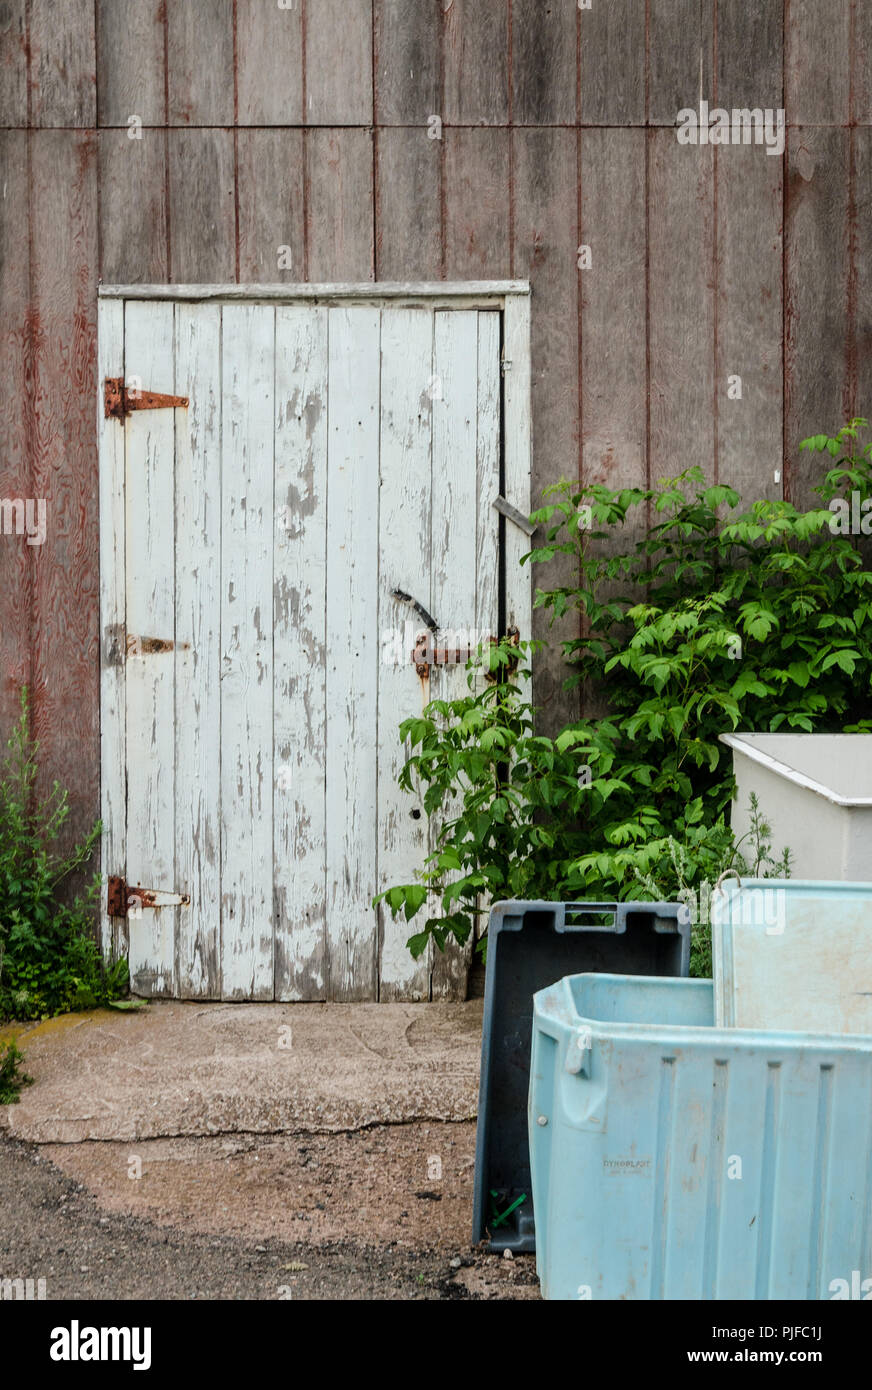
(674, 1160)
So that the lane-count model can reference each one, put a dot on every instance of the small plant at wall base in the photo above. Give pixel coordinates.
(716, 615)
(677, 879)
(12, 1078)
(49, 961)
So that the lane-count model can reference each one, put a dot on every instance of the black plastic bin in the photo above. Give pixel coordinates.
(530, 946)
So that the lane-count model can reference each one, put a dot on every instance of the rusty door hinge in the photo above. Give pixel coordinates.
(124, 901)
(118, 401)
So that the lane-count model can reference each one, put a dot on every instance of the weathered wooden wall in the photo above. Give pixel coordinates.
(306, 125)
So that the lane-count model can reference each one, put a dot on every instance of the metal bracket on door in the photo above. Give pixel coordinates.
(118, 401)
(425, 655)
(506, 509)
(124, 901)
(418, 607)
(148, 646)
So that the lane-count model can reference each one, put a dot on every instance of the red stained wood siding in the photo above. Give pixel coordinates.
(141, 141)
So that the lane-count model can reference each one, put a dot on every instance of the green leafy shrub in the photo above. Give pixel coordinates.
(49, 961)
(497, 828)
(691, 877)
(12, 1078)
(718, 616)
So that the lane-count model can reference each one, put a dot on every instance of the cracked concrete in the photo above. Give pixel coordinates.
(193, 1069)
(235, 1150)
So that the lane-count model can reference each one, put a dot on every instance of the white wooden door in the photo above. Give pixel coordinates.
(256, 660)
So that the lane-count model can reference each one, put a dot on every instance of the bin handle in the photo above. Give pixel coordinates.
(727, 874)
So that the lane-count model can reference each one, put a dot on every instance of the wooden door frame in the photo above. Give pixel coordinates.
(511, 297)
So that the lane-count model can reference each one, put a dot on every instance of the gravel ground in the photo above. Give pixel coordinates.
(132, 1241)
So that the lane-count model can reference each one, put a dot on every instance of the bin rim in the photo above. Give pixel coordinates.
(740, 743)
(566, 1020)
(818, 885)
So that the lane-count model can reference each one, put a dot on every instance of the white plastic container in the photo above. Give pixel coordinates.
(793, 955)
(815, 790)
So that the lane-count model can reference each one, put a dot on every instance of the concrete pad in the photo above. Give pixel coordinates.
(192, 1069)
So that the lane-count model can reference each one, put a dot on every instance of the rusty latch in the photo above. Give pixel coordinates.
(425, 655)
(148, 646)
(124, 901)
(118, 401)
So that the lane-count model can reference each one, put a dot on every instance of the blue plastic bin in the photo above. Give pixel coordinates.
(674, 1160)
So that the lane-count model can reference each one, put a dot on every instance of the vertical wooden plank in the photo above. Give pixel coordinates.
(247, 510)
(13, 63)
(271, 241)
(750, 321)
(749, 313)
(817, 284)
(681, 307)
(818, 59)
(130, 62)
(544, 62)
(113, 730)
(546, 253)
(408, 225)
(488, 455)
(200, 63)
(339, 180)
(680, 57)
(751, 54)
(477, 205)
(405, 560)
(133, 216)
(62, 432)
(862, 138)
(202, 218)
(454, 540)
(614, 356)
(352, 650)
(476, 59)
(517, 438)
(407, 46)
(17, 559)
(197, 508)
(150, 704)
(862, 61)
(339, 63)
(612, 63)
(613, 291)
(62, 64)
(299, 636)
(270, 62)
